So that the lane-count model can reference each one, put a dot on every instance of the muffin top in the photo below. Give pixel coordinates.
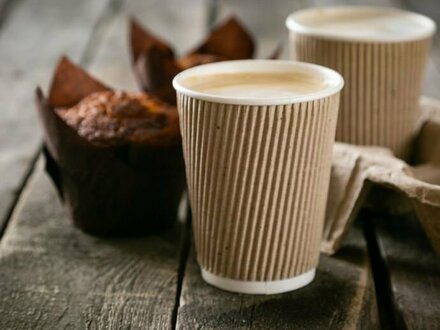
(114, 118)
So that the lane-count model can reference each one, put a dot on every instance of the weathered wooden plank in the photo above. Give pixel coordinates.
(341, 296)
(32, 37)
(53, 276)
(413, 269)
(57, 277)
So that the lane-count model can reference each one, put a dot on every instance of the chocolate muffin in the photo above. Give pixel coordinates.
(115, 157)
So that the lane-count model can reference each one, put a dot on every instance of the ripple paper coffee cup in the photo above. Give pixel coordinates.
(258, 169)
(381, 53)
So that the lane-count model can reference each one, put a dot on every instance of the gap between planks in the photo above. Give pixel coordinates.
(183, 260)
(382, 282)
(19, 191)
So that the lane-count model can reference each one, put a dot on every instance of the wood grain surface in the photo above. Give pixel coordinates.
(52, 276)
(341, 296)
(413, 270)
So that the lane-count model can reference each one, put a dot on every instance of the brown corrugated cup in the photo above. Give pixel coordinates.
(382, 64)
(258, 172)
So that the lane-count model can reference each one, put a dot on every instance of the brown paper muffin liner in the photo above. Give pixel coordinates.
(356, 169)
(107, 191)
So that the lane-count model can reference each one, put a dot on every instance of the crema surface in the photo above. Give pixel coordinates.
(258, 85)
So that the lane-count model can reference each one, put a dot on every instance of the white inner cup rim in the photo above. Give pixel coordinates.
(294, 23)
(331, 78)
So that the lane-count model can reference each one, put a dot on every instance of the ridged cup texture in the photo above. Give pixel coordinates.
(383, 83)
(258, 178)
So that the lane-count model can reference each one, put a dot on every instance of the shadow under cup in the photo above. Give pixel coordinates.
(258, 168)
(381, 53)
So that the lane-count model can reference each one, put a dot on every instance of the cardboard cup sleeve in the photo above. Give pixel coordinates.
(357, 169)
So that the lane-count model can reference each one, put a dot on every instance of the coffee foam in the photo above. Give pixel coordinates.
(362, 22)
(257, 85)
(258, 82)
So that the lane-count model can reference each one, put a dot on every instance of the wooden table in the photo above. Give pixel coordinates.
(52, 276)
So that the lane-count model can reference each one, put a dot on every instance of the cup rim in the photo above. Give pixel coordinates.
(333, 78)
(293, 24)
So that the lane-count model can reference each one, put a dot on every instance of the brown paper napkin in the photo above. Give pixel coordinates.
(356, 169)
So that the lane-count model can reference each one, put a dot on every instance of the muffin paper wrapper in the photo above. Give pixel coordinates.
(358, 170)
(107, 191)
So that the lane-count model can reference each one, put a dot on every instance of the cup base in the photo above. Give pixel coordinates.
(259, 287)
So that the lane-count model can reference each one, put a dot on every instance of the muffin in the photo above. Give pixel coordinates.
(118, 118)
(115, 157)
